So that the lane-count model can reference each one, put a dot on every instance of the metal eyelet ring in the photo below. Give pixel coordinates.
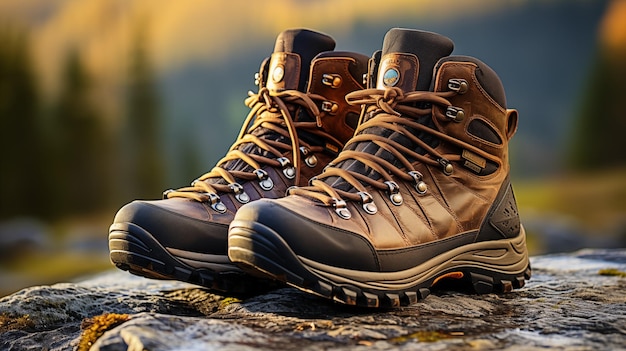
(459, 85)
(420, 185)
(257, 79)
(394, 193)
(166, 192)
(368, 202)
(455, 113)
(216, 204)
(332, 80)
(264, 180)
(341, 209)
(309, 159)
(240, 194)
(289, 172)
(330, 107)
(448, 168)
(288, 191)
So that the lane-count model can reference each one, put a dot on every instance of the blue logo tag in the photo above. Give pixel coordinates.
(391, 77)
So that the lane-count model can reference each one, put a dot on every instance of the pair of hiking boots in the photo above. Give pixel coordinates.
(364, 180)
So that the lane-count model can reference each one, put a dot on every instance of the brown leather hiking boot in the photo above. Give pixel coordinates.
(420, 194)
(298, 121)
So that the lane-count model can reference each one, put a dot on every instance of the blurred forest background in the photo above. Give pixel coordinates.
(106, 101)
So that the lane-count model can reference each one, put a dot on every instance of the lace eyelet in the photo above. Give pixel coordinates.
(332, 80)
(288, 191)
(289, 172)
(368, 202)
(447, 167)
(420, 185)
(330, 107)
(309, 159)
(394, 193)
(265, 182)
(216, 204)
(242, 198)
(257, 79)
(459, 85)
(341, 209)
(219, 207)
(240, 194)
(166, 192)
(456, 114)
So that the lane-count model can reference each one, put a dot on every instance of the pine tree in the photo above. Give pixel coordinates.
(598, 140)
(81, 143)
(143, 118)
(22, 174)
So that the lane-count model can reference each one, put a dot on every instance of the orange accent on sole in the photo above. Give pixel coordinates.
(451, 275)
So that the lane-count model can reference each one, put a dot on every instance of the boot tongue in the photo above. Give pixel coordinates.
(407, 62)
(288, 70)
(293, 52)
(408, 58)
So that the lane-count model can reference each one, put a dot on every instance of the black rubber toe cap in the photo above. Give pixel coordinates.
(308, 238)
(174, 225)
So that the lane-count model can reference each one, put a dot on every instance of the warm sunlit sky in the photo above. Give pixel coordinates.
(195, 30)
(613, 27)
(201, 30)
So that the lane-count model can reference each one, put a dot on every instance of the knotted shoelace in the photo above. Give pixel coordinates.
(268, 110)
(396, 111)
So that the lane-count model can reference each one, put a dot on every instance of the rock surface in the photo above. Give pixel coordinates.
(573, 302)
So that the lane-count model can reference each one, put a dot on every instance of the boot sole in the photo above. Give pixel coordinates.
(497, 266)
(133, 249)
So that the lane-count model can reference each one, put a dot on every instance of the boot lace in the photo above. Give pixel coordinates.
(393, 110)
(268, 122)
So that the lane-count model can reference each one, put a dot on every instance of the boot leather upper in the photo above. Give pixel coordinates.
(451, 212)
(193, 225)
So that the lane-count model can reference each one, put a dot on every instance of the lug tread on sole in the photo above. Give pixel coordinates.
(131, 254)
(483, 284)
(273, 264)
(351, 295)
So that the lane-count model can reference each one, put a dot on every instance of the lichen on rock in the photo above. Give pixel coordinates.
(94, 327)
(569, 304)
